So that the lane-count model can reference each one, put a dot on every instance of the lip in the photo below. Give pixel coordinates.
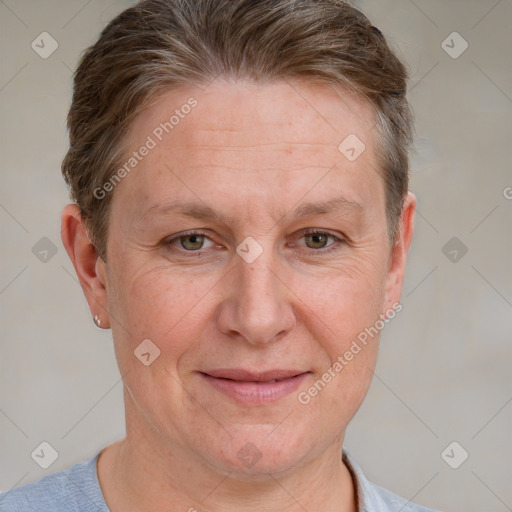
(255, 388)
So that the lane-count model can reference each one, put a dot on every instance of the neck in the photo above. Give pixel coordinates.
(145, 473)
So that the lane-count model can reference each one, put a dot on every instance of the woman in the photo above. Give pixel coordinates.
(241, 222)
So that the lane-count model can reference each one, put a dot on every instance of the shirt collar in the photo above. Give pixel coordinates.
(366, 495)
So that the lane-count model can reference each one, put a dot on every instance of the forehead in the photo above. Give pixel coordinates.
(229, 113)
(253, 140)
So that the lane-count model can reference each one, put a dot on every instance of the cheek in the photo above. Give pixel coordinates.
(344, 301)
(166, 308)
(343, 314)
(342, 309)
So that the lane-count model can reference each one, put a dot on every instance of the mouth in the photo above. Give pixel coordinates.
(254, 388)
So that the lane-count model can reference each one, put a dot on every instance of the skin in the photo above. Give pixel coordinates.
(253, 154)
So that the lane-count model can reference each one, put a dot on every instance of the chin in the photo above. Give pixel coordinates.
(253, 451)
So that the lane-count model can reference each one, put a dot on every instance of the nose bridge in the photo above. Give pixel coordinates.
(257, 284)
(256, 305)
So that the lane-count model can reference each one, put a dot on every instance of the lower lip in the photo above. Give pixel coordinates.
(256, 393)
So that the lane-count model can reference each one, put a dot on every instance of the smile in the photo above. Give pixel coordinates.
(255, 388)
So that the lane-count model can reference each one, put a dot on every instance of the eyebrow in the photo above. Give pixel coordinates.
(200, 211)
(339, 204)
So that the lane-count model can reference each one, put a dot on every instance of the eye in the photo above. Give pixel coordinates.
(192, 241)
(316, 240)
(320, 242)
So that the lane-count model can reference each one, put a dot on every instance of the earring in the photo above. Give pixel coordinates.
(97, 321)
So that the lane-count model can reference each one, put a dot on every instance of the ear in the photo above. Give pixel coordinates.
(89, 266)
(398, 256)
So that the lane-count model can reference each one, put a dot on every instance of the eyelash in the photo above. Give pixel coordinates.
(322, 251)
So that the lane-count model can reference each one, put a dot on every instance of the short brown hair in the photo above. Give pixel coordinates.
(160, 44)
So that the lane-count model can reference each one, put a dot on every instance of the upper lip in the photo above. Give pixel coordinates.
(246, 375)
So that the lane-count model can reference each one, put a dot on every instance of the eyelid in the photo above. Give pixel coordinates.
(183, 234)
(318, 231)
(338, 240)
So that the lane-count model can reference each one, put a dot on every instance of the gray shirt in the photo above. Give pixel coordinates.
(77, 489)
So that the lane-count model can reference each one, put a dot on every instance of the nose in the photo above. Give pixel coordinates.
(257, 305)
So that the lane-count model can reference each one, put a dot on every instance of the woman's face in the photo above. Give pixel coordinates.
(245, 238)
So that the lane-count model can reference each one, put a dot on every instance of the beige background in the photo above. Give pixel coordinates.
(444, 373)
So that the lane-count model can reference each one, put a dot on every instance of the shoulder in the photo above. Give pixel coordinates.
(393, 502)
(373, 498)
(71, 490)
